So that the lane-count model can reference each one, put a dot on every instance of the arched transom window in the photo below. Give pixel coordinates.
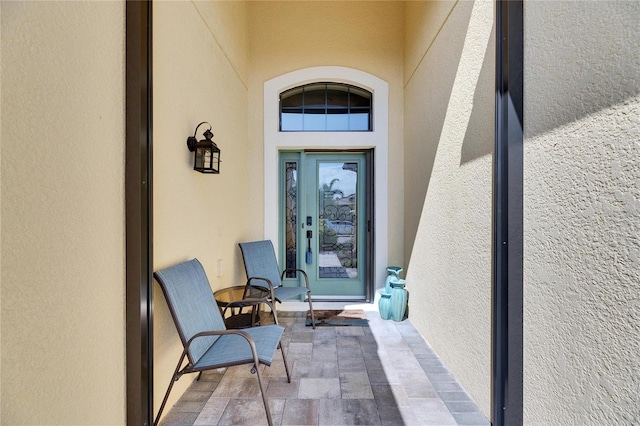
(325, 107)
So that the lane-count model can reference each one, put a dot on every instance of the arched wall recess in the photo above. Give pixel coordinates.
(378, 140)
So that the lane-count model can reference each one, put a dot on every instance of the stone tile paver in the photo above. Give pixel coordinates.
(383, 374)
(312, 388)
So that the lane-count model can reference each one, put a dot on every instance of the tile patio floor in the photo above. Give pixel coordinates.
(383, 374)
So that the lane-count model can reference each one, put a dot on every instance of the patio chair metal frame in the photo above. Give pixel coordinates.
(258, 274)
(232, 305)
(201, 354)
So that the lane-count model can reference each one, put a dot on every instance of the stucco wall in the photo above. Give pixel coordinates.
(63, 354)
(582, 213)
(448, 173)
(367, 36)
(199, 74)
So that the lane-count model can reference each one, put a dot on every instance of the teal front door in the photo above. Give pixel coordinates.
(323, 222)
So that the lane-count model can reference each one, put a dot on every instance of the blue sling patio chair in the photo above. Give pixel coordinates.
(262, 270)
(207, 342)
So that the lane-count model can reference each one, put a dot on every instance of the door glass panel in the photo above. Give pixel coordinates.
(337, 226)
(337, 121)
(291, 216)
(292, 120)
(338, 97)
(314, 120)
(315, 96)
(292, 99)
(359, 121)
(359, 98)
(325, 107)
(291, 107)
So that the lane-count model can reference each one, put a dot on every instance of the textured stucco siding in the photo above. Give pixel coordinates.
(582, 213)
(199, 74)
(63, 225)
(448, 175)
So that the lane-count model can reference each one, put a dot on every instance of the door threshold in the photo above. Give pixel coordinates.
(327, 305)
(361, 299)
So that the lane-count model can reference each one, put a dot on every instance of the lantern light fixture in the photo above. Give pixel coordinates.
(207, 154)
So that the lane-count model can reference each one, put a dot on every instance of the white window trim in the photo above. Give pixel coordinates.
(378, 139)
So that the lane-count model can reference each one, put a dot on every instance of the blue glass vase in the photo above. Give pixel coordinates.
(398, 299)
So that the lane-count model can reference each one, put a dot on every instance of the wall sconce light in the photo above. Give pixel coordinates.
(207, 154)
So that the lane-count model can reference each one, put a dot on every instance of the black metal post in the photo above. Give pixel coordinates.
(138, 200)
(507, 315)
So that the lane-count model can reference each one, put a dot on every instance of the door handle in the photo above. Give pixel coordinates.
(309, 254)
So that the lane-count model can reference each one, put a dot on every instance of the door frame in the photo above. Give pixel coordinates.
(138, 213)
(507, 298)
(376, 140)
(369, 217)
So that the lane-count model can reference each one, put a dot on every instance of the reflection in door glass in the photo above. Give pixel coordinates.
(337, 226)
(291, 216)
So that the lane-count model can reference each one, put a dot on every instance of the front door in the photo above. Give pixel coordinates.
(323, 222)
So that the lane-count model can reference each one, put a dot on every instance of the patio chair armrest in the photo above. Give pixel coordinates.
(209, 333)
(271, 292)
(244, 334)
(220, 333)
(259, 279)
(304, 274)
